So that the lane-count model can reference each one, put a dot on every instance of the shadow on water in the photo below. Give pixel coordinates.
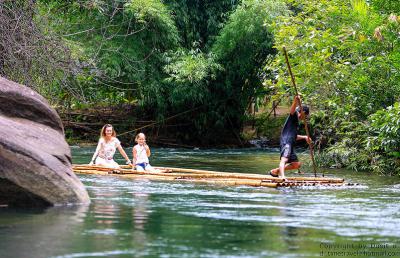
(142, 218)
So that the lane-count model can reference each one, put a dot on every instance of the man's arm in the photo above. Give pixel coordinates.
(304, 137)
(296, 102)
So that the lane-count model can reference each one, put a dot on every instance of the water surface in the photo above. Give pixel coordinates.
(142, 218)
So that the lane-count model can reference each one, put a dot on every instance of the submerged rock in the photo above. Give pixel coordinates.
(35, 160)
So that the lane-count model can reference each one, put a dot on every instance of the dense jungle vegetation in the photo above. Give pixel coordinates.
(210, 60)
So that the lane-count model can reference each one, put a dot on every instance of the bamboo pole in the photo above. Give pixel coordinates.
(91, 172)
(255, 176)
(218, 182)
(301, 111)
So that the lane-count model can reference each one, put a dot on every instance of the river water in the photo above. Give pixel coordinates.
(142, 218)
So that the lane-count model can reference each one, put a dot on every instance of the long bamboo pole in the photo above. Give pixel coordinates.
(310, 145)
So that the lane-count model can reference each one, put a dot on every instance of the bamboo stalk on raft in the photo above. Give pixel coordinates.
(222, 181)
(204, 176)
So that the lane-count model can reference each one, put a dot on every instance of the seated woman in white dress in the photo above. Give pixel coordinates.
(108, 143)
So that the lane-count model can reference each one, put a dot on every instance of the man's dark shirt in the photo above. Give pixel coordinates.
(289, 131)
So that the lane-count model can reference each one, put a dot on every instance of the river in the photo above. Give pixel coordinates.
(142, 218)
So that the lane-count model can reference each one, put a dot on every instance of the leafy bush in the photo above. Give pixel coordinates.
(345, 58)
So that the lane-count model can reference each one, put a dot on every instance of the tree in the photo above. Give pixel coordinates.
(345, 57)
(30, 54)
(229, 76)
(119, 45)
(200, 21)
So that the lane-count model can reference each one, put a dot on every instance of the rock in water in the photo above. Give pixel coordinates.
(35, 160)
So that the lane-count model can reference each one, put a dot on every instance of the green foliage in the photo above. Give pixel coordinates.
(221, 83)
(323, 41)
(169, 56)
(192, 66)
(345, 58)
(199, 21)
(117, 44)
(387, 6)
(214, 58)
(156, 20)
(242, 47)
(30, 54)
(269, 127)
(384, 131)
(189, 75)
(372, 145)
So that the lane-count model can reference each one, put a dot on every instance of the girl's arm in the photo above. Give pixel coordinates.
(134, 154)
(95, 153)
(147, 150)
(123, 153)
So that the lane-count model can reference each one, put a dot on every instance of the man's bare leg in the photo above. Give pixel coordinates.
(282, 165)
(287, 166)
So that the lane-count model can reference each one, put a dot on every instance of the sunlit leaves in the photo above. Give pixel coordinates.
(345, 59)
(192, 66)
(387, 6)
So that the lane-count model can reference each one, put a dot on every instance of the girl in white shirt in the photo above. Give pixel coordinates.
(141, 153)
(108, 143)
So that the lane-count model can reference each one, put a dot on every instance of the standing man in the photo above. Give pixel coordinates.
(289, 136)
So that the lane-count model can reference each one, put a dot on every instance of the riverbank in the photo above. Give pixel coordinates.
(82, 127)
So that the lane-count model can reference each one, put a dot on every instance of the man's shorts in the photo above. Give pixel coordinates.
(288, 152)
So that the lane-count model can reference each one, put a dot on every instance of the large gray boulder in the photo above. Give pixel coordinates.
(35, 160)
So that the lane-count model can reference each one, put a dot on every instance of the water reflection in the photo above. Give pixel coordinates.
(35, 233)
(120, 212)
(140, 216)
(140, 212)
(289, 233)
(105, 211)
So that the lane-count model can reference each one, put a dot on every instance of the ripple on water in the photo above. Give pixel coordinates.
(99, 254)
(348, 211)
(305, 209)
(108, 231)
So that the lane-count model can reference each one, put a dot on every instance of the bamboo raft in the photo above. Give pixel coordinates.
(213, 177)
